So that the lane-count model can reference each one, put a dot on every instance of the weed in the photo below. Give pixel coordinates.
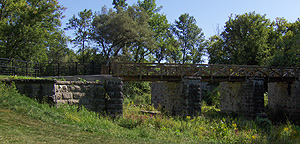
(81, 79)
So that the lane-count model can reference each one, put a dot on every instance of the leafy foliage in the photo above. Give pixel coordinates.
(28, 28)
(244, 41)
(114, 31)
(82, 27)
(287, 44)
(137, 92)
(191, 38)
(212, 98)
(119, 3)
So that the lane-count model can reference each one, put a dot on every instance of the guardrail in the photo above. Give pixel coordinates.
(155, 71)
(18, 67)
(25, 68)
(71, 68)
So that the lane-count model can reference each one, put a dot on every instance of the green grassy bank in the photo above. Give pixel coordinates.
(23, 120)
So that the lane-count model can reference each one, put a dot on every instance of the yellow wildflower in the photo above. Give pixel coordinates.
(234, 125)
(285, 129)
(188, 117)
(254, 137)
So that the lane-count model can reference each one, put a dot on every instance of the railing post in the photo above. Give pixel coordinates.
(58, 70)
(39, 70)
(161, 71)
(53, 70)
(26, 68)
(76, 68)
(12, 67)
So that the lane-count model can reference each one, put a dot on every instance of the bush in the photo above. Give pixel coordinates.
(137, 92)
(212, 98)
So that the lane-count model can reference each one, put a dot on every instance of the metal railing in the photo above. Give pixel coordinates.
(71, 68)
(18, 67)
(24, 68)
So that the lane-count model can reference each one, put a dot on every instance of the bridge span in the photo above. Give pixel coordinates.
(208, 72)
(178, 87)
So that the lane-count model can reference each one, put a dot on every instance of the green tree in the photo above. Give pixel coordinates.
(119, 3)
(216, 52)
(28, 28)
(149, 6)
(165, 42)
(82, 27)
(58, 50)
(114, 31)
(246, 39)
(286, 42)
(191, 38)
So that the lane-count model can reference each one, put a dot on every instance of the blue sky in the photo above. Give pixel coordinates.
(208, 13)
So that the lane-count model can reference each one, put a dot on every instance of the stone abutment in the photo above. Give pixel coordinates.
(104, 96)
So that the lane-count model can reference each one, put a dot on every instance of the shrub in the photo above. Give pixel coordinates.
(138, 92)
(212, 98)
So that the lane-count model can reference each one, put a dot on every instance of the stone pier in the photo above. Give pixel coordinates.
(284, 99)
(242, 98)
(178, 98)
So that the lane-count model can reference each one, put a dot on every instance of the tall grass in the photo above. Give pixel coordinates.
(135, 127)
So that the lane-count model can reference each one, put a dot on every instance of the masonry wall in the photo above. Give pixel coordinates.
(243, 98)
(41, 90)
(102, 96)
(178, 98)
(168, 96)
(284, 99)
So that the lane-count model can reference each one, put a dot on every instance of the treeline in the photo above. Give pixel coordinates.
(31, 30)
(137, 33)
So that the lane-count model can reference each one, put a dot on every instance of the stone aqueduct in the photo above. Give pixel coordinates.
(177, 88)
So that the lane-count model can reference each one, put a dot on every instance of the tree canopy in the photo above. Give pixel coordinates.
(82, 26)
(190, 37)
(113, 31)
(28, 28)
(244, 40)
(252, 39)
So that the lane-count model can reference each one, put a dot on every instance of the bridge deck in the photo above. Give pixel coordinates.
(175, 72)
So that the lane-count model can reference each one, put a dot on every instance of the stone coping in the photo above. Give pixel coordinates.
(87, 77)
(79, 82)
(29, 81)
